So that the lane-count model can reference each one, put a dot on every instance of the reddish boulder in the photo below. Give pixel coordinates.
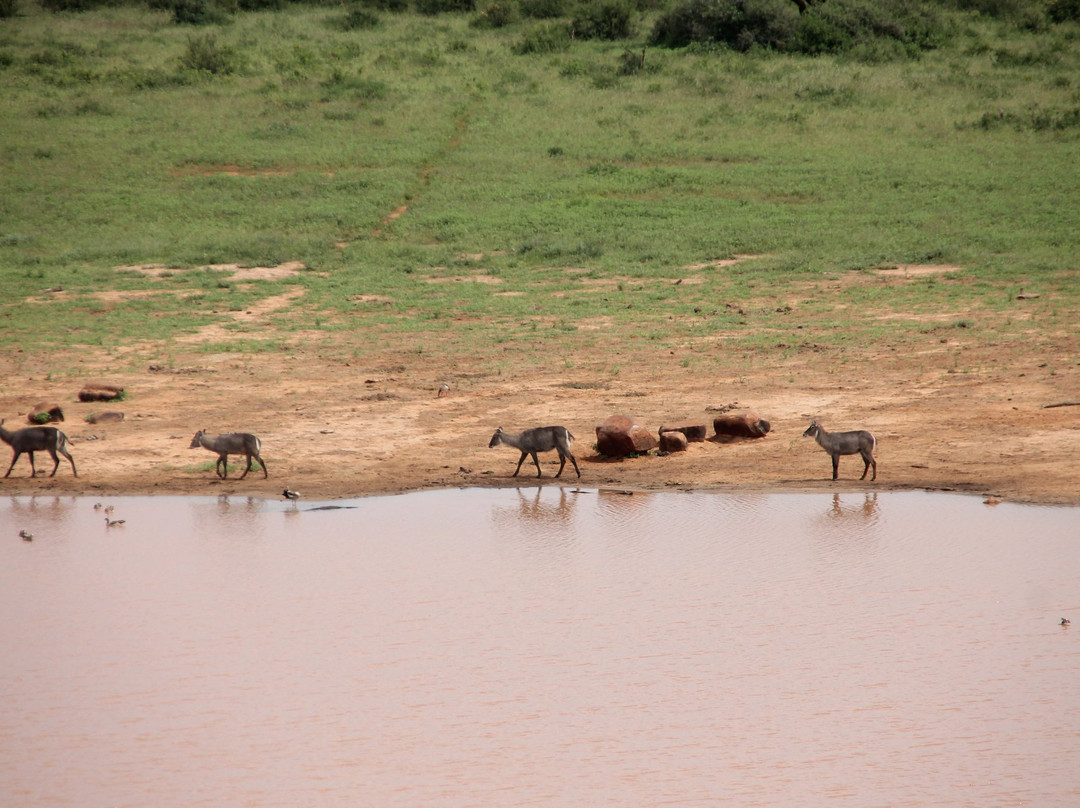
(695, 433)
(101, 392)
(672, 441)
(45, 413)
(747, 425)
(621, 435)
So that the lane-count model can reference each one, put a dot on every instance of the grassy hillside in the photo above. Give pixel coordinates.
(424, 148)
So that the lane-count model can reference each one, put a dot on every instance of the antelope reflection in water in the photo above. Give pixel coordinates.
(533, 506)
(868, 509)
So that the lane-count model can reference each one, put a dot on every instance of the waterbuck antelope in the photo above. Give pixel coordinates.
(541, 439)
(37, 439)
(236, 443)
(845, 443)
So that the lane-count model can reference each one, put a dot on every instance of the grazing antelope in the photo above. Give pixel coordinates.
(845, 443)
(37, 439)
(237, 443)
(541, 439)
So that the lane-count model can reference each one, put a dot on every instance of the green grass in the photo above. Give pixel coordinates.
(580, 193)
(234, 470)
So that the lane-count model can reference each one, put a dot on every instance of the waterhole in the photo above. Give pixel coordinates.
(539, 647)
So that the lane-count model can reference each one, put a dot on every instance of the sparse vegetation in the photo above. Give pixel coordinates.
(544, 152)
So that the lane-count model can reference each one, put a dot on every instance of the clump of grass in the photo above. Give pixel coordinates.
(359, 19)
(204, 54)
(552, 37)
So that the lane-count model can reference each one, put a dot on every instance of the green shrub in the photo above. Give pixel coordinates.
(196, 12)
(543, 9)
(9, 8)
(548, 38)
(205, 55)
(433, 7)
(819, 34)
(913, 24)
(497, 14)
(359, 19)
(356, 87)
(739, 24)
(999, 9)
(70, 5)
(602, 19)
(876, 29)
(65, 5)
(1060, 10)
(386, 5)
(631, 63)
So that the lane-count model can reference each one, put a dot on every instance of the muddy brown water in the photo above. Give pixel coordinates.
(540, 647)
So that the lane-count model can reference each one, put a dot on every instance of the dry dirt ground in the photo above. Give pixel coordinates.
(334, 428)
(951, 411)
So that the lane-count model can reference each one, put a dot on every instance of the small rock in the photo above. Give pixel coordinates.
(104, 417)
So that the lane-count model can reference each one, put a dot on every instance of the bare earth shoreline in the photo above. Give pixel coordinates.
(334, 429)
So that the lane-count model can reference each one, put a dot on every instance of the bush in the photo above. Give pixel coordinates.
(9, 8)
(549, 38)
(603, 19)
(205, 55)
(359, 19)
(631, 63)
(543, 9)
(386, 5)
(433, 7)
(196, 12)
(999, 9)
(70, 5)
(497, 14)
(870, 27)
(1060, 10)
(740, 24)
(916, 26)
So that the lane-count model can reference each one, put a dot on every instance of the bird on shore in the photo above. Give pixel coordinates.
(1066, 621)
(444, 389)
(290, 494)
(113, 522)
(26, 535)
